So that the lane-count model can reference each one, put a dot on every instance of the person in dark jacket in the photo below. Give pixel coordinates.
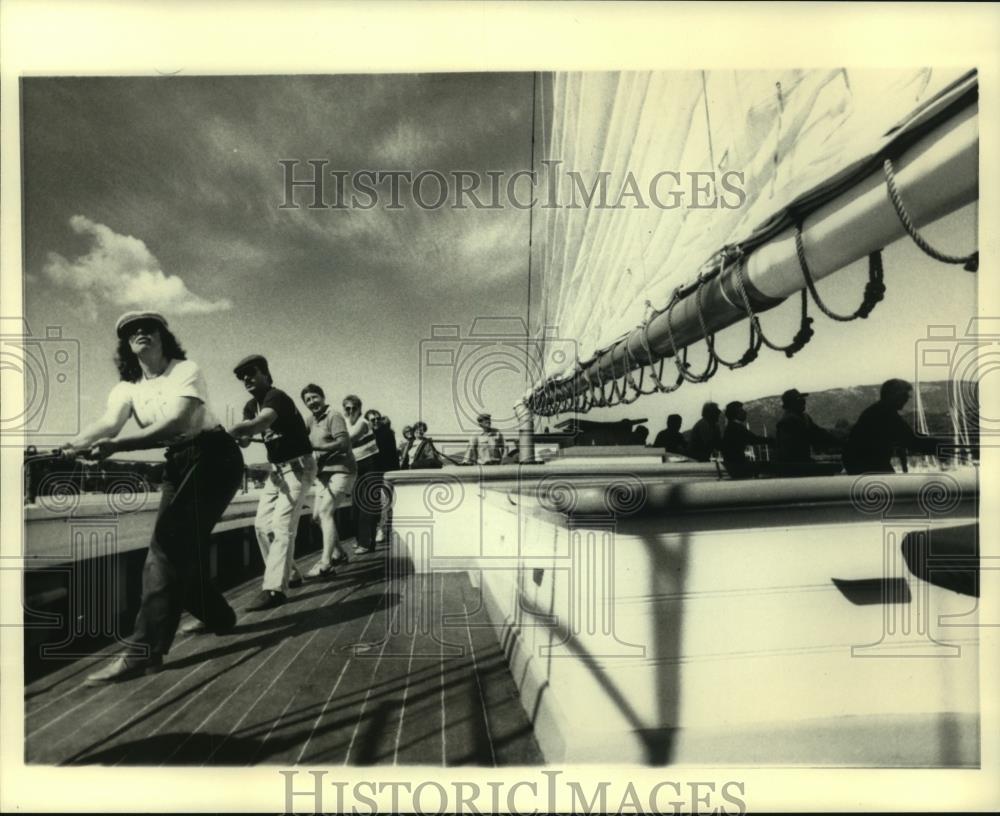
(388, 455)
(880, 432)
(422, 454)
(706, 438)
(670, 438)
(736, 439)
(797, 434)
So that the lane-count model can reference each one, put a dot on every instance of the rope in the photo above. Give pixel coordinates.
(754, 345)
(802, 336)
(970, 262)
(874, 289)
(647, 348)
(682, 365)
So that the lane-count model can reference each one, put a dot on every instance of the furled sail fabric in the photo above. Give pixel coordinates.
(644, 176)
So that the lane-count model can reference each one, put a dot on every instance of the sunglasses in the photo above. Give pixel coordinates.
(144, 326)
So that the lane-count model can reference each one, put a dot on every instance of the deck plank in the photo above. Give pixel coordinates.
(288, 687)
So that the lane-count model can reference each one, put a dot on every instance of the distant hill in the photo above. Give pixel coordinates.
(843, 406)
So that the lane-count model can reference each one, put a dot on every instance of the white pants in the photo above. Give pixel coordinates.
(278, 518)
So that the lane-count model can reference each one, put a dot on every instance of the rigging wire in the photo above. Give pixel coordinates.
(531, 232)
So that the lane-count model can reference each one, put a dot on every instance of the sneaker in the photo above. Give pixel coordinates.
(268, 599)
(321, 571)
(193, 627)
(125, 668)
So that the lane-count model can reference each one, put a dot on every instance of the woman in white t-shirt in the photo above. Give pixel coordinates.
(166, 395)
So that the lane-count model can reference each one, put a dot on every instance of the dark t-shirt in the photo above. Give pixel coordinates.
(671, 441)
(388, 454)
(287, 437)
(735, 440)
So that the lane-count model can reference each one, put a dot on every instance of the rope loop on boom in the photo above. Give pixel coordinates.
(683, 367)
(802, 336)
(753, 343)
(874, 289)
(657, 375)
(970, 262)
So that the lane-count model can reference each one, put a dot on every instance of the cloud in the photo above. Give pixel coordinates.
(120, 270)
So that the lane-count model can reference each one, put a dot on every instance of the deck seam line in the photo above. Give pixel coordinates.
(149, 681)
(246, 679)
(292, 699)
(347, 663)
(479, 685)
(444, 717)
(364, 703)
(270, 685)
(406, 692)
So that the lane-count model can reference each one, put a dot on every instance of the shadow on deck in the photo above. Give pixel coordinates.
(350, 671)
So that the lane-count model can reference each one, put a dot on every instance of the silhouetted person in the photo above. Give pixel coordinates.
(735, 440)
(639, 435)
(880, 431)
(670, 438)
(706, 437)
(797, 434)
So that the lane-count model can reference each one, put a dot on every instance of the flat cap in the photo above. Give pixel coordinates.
(134, 317)
(791, 395)
(250, 360)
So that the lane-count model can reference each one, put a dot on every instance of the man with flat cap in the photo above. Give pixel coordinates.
(487, 447)
(272, 413)
(797, 434)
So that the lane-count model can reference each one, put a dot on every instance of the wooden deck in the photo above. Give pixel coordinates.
(350, 671)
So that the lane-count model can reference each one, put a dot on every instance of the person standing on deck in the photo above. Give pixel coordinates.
(736, 439)
(797, 434)
(670, 438)
(404, 446)
(272, 413)
(167, 396)
(367, 493)
(388, 454)
(880, 432)
(335, 478)
(423, 455)
(706, 437)
(486, 448)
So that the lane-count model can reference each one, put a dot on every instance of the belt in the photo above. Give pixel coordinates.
(199, 438)
(300, 458)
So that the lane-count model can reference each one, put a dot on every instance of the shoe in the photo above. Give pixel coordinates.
(342, 560)
(268, 599)
(197, 627)
(295, 583)
(380, 536)
(125, 668)
(193, 627)
(359, 550)
(320, 571)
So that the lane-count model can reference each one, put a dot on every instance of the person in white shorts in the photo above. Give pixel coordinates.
(337, 472)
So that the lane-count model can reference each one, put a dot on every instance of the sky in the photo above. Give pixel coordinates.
(166, 193)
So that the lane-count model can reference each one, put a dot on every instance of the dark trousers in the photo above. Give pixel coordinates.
(200, 479)
(367, 499)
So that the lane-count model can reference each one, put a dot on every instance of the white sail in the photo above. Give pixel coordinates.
(784, 132)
